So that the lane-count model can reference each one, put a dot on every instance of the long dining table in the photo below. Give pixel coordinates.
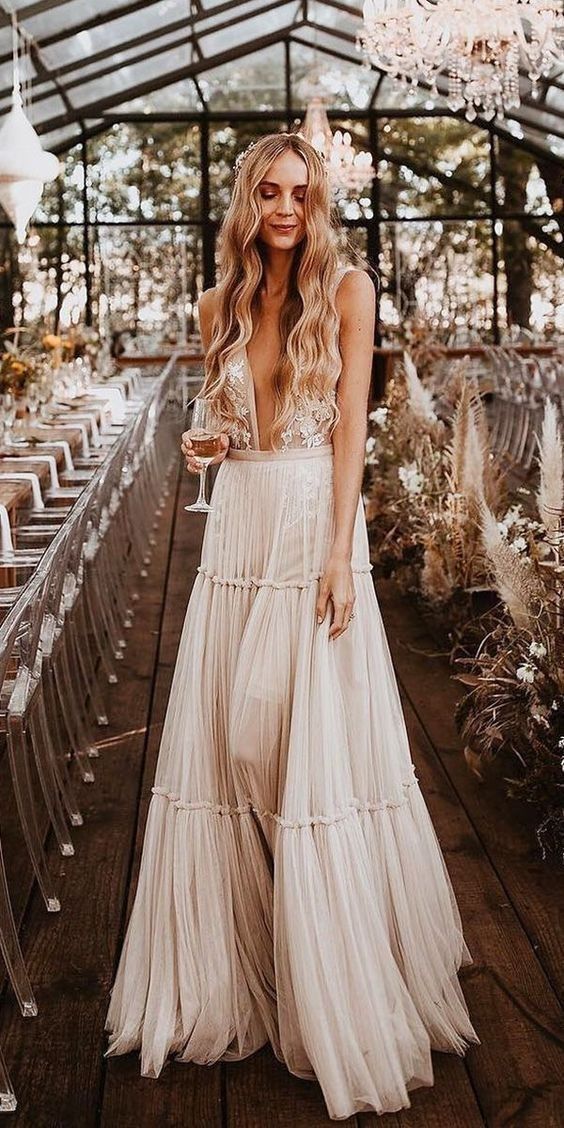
(44, 450)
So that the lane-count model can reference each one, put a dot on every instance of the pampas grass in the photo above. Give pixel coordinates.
(550, 496)
(419, 398)
(515, 579)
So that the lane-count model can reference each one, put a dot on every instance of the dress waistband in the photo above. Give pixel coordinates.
(325, 450)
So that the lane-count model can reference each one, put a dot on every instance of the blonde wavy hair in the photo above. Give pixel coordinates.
(309, 358)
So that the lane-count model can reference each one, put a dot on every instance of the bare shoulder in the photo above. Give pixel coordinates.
(356, 285)
(356, 294)
(207, 301)
(207, 305)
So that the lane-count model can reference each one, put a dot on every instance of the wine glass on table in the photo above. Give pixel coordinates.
(9, 406)
(205, 436)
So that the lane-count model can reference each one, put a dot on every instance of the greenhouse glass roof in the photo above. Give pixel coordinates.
(94, 59)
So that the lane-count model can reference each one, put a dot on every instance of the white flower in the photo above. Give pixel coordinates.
(370, 444)
(502, 528)
(526, 673)
(537, 650)
(379, 416)
(519, 544)
(562, 763)
(513, 516)
(561, 742)
(411, 478)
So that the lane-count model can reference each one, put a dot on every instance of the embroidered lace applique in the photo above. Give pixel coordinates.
(308, 423)
(235, 378)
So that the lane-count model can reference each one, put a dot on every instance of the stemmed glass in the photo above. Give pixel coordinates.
(9, 406)
(205, 437)
(32, 402)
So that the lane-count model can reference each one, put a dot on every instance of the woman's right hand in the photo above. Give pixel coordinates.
(193, 463)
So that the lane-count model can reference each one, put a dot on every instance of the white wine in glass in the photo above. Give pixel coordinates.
(205, 437)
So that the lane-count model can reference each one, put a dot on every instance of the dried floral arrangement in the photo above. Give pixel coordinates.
(513, 714)
(22, 364)
(419, 340)
(18, 365)
(442, 524)
(425, 482)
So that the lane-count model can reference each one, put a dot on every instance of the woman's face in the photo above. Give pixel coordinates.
(281, 193)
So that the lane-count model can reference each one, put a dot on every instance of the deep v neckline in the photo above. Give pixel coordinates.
(252, 393)
(252, 397)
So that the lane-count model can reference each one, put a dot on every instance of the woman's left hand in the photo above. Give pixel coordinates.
(336, 585)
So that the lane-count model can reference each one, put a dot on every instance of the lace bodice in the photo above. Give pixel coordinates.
(308, 428)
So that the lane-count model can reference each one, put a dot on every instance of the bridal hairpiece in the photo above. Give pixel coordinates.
(241, 157)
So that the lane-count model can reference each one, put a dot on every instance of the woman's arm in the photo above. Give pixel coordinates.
(206, 310)
(356, 305)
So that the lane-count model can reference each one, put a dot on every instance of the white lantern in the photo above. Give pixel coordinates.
(25, 167)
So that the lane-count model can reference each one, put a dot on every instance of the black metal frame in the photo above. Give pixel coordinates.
(208, 226)
(192, 26)
(102, 109)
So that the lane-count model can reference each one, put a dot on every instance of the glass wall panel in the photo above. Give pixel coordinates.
(42, 282)
(433, 166)
(527, 183)
(532, 277)
(144, 172)
(140, 274)
(440, 273)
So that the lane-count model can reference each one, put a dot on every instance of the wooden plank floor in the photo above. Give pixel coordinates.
(506, 897)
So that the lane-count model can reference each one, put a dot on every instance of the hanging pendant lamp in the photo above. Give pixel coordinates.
(25, 167)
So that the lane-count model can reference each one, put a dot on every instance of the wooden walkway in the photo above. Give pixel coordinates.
(506, 896)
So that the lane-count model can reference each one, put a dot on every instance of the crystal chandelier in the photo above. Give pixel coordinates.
(348, 169)
(480, 44)
(401, 37)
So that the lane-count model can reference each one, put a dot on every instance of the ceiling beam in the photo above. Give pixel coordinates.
(94, 109)
(332, 52)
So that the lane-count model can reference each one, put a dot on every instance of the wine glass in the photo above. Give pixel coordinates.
(205, 437)
(32, 402)
(9, 405)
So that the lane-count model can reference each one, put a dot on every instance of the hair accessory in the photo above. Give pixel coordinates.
(241, 157)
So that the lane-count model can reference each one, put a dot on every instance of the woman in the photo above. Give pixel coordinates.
(292, 888)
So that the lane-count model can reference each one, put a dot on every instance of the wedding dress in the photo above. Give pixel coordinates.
(292, 888)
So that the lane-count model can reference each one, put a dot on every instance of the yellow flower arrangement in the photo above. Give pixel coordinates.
(51, 341)
(16, 372)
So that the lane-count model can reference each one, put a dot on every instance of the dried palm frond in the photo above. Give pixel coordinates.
(550, 497)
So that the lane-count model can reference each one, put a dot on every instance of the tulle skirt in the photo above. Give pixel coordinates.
(292, 888)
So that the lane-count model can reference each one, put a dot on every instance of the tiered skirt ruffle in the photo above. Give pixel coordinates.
(292, 888)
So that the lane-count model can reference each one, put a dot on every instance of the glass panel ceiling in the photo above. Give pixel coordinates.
(105, 56)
